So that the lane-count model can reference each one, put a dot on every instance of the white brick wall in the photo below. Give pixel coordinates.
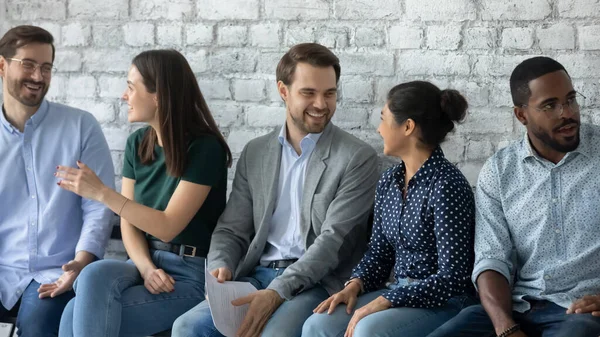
(233, 47)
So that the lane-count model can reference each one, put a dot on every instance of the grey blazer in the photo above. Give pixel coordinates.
(338, 195)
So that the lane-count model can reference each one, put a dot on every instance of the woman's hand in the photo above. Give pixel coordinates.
(348, 296)
(83, 181)
(376, 305)
(158, 281)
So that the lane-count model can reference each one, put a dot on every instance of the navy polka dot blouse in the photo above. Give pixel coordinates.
(426, 237)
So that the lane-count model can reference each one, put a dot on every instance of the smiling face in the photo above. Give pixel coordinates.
(28, 89)
(547, 131)
(141, 104)
(310, 98)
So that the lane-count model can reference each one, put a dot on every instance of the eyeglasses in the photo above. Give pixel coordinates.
(555, 109)
(29, 67)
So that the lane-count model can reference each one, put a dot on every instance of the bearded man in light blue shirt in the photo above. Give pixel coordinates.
(538, 198)
(47, 235)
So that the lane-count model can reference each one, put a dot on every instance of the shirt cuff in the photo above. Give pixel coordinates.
(491, 264)
(92, 248)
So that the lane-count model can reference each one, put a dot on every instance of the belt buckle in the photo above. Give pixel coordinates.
(183, 248)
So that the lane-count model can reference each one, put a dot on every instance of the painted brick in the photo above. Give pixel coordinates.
(404, 37)
(231, 10)
(515, 9)
(249, 90)
(198, 34)
(445, 37)
(232, 36)
(263, 116)
(451, 10)
(31, 10)
(169, 34)
(265, 35)
(369, 37)
(433, 63)
(105, 9)
(297, 9)
(373, 10)
(376, 63)
(76, 34)
(517, 38)
(557, 36)
(589, 37)
(159, 9)
(139, 34)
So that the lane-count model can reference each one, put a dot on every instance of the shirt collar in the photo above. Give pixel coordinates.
(426, 171)
(309, 139)
(36, 119)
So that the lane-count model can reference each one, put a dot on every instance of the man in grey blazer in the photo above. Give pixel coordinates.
(296, 220)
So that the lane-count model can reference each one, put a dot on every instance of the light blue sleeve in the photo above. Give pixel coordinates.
(493, 244)
(97, 224)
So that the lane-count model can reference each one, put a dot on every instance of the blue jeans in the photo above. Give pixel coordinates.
(112, 300)
(544, 319)
(286, 321)
(401, 321)
(39, 317)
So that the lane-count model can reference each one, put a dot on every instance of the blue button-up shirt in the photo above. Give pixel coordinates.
(284, 239)
(549, 214)
(426, 237)
(41, 225)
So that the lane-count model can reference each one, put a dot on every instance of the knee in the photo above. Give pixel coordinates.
(183, 327)
(97, 275)
(190, 325)
(366, 328)
(316, 325)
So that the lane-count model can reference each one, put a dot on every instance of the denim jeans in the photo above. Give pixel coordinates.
(286, 321)
(401, 321)
(112, 300)
(544, 319)
(39, 317)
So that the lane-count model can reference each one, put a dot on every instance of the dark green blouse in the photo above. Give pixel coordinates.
(207, 165)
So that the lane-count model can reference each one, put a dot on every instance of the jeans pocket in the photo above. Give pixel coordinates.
(196, 263)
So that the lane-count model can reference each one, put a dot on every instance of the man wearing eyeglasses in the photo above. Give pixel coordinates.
(537, 265)
(47, 235)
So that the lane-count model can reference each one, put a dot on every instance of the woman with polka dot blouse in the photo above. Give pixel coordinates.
(422, 231)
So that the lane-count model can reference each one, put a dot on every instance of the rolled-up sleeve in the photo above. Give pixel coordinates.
(97, 224)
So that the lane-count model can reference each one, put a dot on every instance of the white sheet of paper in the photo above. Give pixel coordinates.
(227, 317)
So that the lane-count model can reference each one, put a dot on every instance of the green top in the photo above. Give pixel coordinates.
(207, 165)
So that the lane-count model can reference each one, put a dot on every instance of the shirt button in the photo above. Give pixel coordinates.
(33, 197)
(557, 231)
(33, 223)
(554, 200)
(547, 277)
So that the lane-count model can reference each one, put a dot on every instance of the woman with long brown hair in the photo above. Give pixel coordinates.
(173, 192)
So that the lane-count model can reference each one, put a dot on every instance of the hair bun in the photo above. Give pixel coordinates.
(453, 105)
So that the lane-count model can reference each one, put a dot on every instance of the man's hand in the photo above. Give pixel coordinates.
(222, 274)
(585, 305)
(65, 281)
(263, 304)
